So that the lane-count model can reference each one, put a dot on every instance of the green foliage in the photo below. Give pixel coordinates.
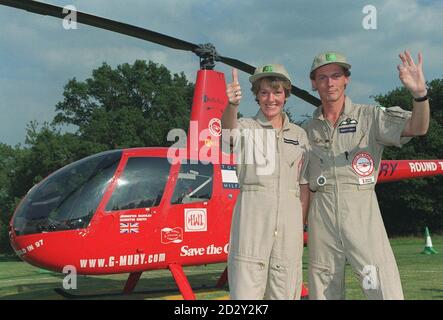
(408, 206)
(130, 106)
(133, 105)
(9, 157)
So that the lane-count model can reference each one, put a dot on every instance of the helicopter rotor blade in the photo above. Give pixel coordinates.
(103, 23)
(302, 94)
(140, 33)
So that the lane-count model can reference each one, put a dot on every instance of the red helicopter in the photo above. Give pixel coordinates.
(134, 210)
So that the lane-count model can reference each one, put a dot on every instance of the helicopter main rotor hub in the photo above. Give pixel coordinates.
(208, 55)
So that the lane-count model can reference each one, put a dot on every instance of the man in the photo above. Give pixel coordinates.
(347, 142)
(266, 242)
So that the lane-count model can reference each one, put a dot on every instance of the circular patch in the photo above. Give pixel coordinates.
(363, 164)
(215, 127)
(321, 181)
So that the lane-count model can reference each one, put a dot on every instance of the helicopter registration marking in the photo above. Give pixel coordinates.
(30, 247)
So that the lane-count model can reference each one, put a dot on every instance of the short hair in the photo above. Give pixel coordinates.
(274, 83)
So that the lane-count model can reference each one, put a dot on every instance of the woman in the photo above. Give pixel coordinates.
(266, 242)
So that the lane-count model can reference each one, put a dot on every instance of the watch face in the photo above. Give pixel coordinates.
(321, 181)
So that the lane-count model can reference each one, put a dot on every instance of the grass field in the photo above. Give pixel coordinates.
(422, 278)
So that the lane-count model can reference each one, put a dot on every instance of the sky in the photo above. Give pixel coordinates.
(38, 56)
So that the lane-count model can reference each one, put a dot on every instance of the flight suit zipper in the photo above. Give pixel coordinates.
(278, 136)
(331, 132)
(337, 186)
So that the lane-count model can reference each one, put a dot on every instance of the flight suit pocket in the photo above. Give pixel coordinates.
(293, 155)
(318, 160)
(326, 282)
(358, 143)
(321, 272)
(248, 268)
(366, 187)
(278, 282)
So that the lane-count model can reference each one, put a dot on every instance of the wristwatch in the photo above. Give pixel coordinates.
(421, 99)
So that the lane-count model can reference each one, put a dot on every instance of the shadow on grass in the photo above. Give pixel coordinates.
(9, 258)
(433, 290)
(159, 287)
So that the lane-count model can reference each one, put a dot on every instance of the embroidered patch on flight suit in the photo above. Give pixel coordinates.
(366, 180)
(363, 164)
(294, 142)
(347, 129)
(347, 122)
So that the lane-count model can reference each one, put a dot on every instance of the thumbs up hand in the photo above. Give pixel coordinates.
(233, 89)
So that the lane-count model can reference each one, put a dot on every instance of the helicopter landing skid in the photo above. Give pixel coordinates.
(68, 295)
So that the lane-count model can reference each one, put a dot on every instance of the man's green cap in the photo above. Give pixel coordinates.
(329, 57)
(270, 70)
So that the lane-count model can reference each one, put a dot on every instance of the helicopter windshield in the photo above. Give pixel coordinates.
(68, 198)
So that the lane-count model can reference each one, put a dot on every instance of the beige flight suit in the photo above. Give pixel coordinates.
(344, 218)
(266, 243)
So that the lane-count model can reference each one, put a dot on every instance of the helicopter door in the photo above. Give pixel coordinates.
(194, 184)
(192, 211)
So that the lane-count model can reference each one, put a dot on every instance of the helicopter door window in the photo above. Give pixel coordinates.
(141, 185)
(194, 183)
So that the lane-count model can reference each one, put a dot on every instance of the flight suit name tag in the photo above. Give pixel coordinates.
(366, 180)
(347, 129)
(348, 122)
(294, 142)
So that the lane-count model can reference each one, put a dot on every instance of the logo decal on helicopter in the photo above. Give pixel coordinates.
(213, 100)
(229, 177)
(196, 220)
(126, 228)
(169, 235)
(212, 249)
(215, 127)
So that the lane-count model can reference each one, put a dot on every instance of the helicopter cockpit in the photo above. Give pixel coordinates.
(68, 198)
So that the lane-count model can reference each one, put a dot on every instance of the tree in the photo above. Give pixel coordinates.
(133, 105)
(408, 206)
(130, 106)
(8, 160)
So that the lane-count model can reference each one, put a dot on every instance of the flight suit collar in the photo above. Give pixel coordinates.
(264, 122)
(347, 110)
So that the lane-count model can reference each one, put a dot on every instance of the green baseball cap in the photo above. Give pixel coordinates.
(329, 57)
(270, 70)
